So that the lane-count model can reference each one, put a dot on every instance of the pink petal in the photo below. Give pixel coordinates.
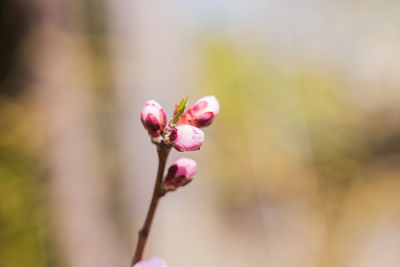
(180, 173)
(153, 117)
(202, 112)
(186, 138)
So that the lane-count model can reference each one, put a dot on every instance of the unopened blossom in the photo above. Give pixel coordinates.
(180, 173)
(202, 112)
(153, 261)
(186, 138)
(153, 118)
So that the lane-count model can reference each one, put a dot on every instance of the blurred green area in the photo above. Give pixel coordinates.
(22, 205)
(274, 120)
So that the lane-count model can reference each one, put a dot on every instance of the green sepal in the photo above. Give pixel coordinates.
(179, 109)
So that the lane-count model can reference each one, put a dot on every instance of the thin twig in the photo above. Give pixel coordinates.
(163, 152)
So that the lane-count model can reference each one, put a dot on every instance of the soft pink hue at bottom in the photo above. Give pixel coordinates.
(153, 261)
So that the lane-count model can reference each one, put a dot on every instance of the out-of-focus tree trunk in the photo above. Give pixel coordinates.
(77, 189)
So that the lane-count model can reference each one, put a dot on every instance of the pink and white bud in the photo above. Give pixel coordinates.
(202, 112)
(153, 118)
(186, 138)
(180, 173)
(153, 261)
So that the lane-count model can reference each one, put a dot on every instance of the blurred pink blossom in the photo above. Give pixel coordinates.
(153, 261)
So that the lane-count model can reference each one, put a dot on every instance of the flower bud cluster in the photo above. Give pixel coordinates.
(184, 134)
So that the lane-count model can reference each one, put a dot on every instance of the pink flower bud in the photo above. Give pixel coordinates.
(186, 138)
(180, 173)
(201, 113)
(153, 261)
(153, 118)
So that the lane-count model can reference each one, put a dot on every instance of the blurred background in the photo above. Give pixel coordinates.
(300, 168)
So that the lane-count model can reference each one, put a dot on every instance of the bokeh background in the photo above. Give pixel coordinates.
(300, 168)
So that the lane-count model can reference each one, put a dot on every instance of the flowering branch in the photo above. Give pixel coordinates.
(182, 134)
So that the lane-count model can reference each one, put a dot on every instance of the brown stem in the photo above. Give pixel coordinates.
(163, 151)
